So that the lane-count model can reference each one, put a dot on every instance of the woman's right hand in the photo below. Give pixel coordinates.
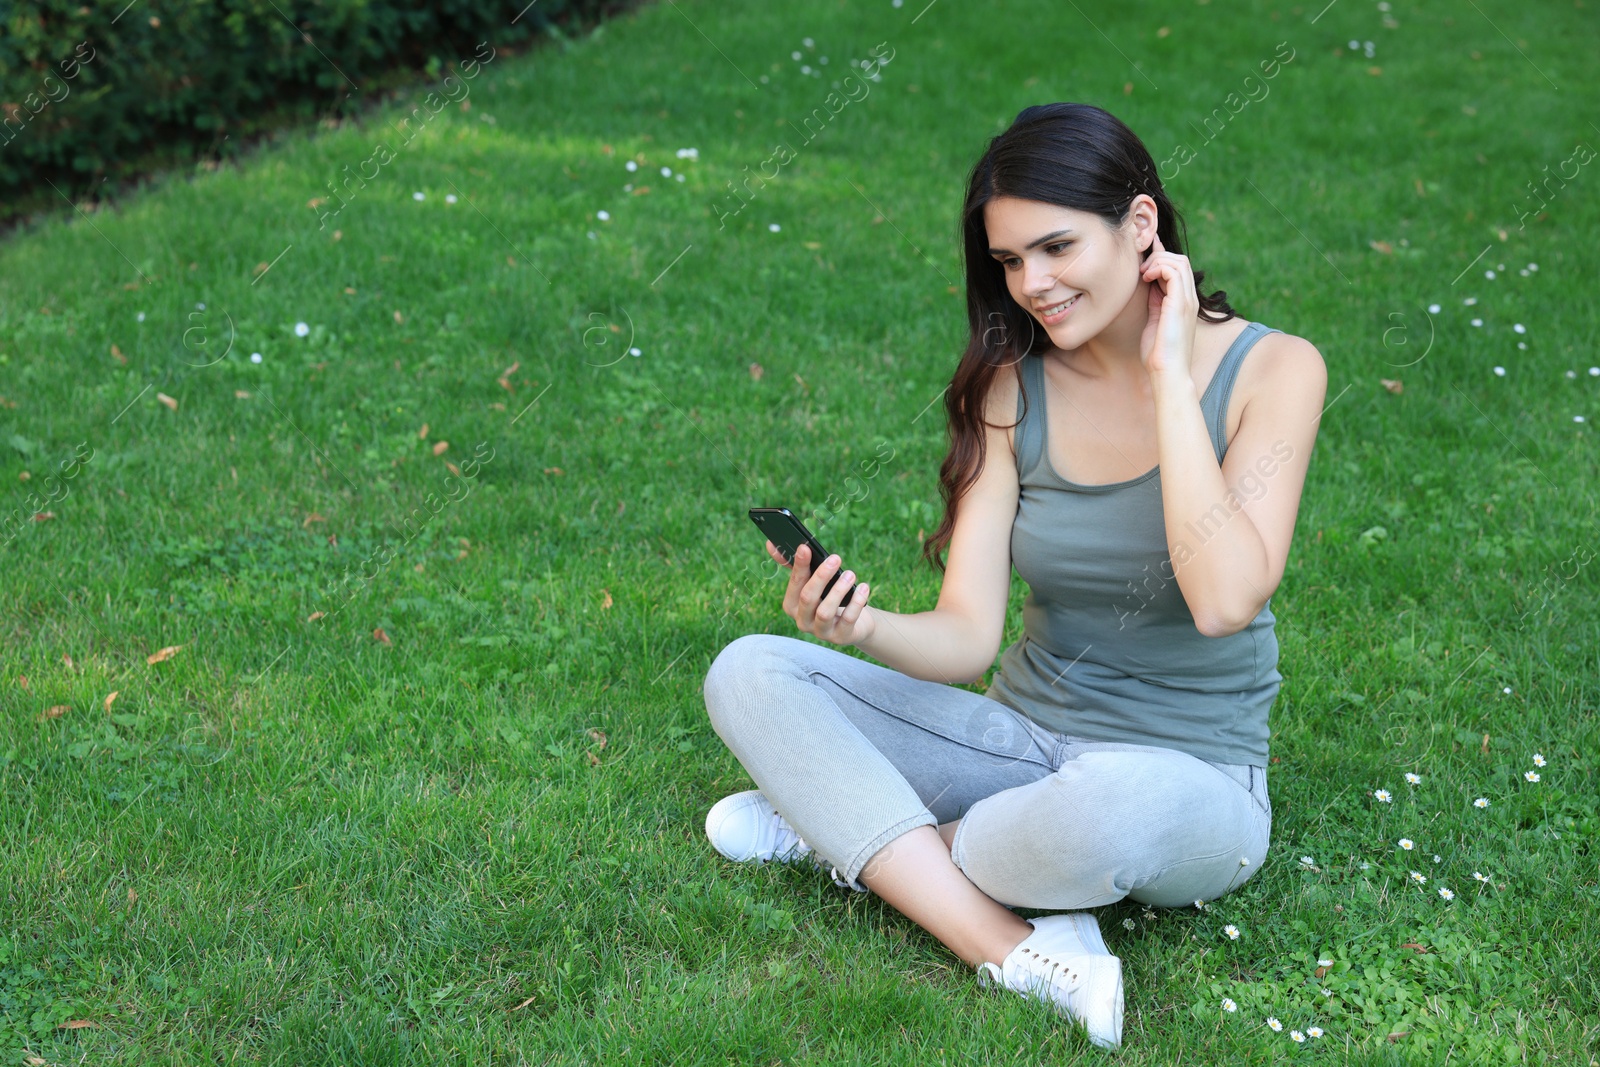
(825, 617)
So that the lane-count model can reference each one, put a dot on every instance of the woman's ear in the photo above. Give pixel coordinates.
(1145, 220)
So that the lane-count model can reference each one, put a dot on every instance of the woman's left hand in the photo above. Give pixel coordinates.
(1168, 338)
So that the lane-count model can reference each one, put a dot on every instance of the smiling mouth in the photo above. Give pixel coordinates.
(1056, 309)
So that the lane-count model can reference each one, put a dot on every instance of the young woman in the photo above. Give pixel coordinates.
(1137, 451)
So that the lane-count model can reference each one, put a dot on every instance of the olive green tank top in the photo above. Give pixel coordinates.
(1109, 649)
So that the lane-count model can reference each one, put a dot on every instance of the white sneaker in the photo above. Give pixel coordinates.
(1064, 962)
(745, 827)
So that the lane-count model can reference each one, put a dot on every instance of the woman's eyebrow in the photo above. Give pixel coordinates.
(1034, 244)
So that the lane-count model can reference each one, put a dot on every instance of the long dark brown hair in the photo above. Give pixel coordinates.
(1072, 155)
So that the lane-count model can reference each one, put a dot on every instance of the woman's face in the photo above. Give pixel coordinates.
(1070, 271)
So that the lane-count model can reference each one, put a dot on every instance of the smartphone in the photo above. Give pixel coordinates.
(787, 534)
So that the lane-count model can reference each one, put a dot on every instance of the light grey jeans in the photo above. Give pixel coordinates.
(853, 755)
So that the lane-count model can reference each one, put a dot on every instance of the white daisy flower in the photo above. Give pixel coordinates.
(1506, 690)
(603, 216)
(1446, 894)
(1532, 776)
(1571, 374)
(1325, 991)
(677, 177)
(1307, 861)
(139, 317)
(773, 227)
(1489, 274)
(255, 357)
(1407, 844)
(1297, 1037)
(301, 329)
(1480, 876)
(199, 307)
(1538, 760)
(630, 166)
(1433, 309)
(808, 42)
(688, 153)
(1414, 779)
(419, 196)
(1477, 322)
(1314, 1031)
(449, 198)
(1436, 859)
(1128, 924)
(1274, 1023)
(1500, 372)
(1228, 1005)
(1244, 861)
(634, 352)
(1418, 877)
(666, 172)
(1324, 963)
(1382, 796)
(1232, 931)
(1481, 802)
(1594, 372)
(1522, 346)
(1533, 266)
(1469, 301)
(1519, 328)
(795, 56)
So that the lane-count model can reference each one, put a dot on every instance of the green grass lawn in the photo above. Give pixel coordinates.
(425, 780)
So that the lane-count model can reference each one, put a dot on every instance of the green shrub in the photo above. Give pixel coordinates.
(85, 94)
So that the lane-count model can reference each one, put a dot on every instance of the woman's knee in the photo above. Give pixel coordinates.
(734, 683)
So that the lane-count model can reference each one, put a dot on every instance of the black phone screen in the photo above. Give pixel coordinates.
(787, 534)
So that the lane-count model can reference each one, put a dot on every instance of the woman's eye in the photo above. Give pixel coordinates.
(1060, 245)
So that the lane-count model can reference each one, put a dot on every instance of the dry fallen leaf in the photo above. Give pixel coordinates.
(813, 245)
(55, 712)
(642, 190)
(554, 470)
(525, 1003)
(757, 370)
(1393, 385)
(22, 680)
(1381, 246)
(110, 698)
(422, 434)
(607, 602)
(1485, 748)
(597, 736)
(505, 384)
(509, 371)
(66, 661)
(76, 1024)
(25, 476)
(133, 897)
(397, 315)
(439, 447)
(349, 291)
(452, 468)
(1421, 950)
(167, 400)
(381, 636)
(164, 654)
(43, 516)
(315, 615)
(116, 353)
(311, 518)
(594, 761)
(242, 394)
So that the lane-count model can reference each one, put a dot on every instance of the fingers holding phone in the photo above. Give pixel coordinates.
(816, 601)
